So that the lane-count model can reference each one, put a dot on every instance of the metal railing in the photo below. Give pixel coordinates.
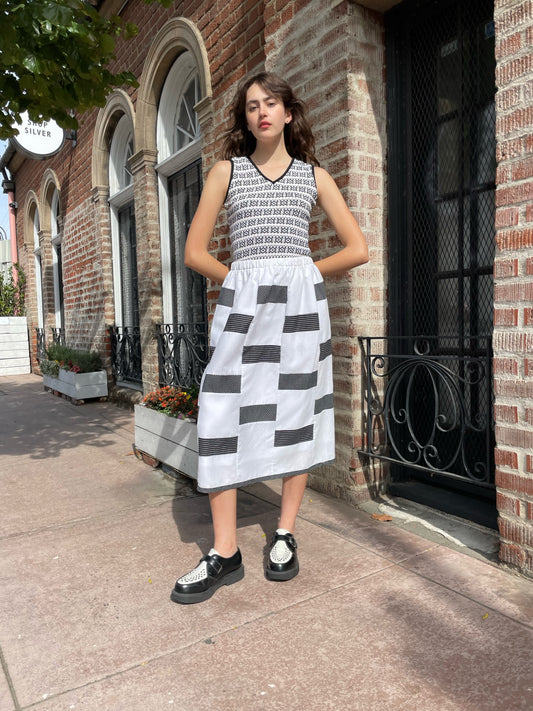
(58, 335)
(427, 405)
(183, 353)
(126, 354)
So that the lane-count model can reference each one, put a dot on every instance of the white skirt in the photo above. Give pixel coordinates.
(266, 397)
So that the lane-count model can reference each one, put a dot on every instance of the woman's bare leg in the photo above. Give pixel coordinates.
(291, 497)
(224, 513)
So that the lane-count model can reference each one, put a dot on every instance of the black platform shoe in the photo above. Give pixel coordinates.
(212, 572)
(282, 570)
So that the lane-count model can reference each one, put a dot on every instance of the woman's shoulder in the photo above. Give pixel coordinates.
(222, 168)
(218, 178)
(221, 172)
(326, 186)
(322, 177)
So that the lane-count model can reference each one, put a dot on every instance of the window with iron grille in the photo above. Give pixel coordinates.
(441, 124)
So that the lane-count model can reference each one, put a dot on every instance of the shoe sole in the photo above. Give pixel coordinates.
(190, 598)
(281, 575)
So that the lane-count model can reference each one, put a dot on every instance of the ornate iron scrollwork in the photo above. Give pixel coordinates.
(126, 355)
(58, 336)
(183, 353)
(430, 410)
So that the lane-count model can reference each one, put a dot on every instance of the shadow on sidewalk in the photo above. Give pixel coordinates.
(41, 425)
(192, 513)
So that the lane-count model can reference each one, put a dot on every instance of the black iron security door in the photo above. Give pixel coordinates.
(436, 411)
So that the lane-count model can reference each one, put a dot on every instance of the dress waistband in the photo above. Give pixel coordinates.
(267, 263)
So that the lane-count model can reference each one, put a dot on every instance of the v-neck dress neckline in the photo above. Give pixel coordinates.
(266, 177)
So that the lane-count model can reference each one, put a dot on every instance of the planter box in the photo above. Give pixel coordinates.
(78, 386)
(14, 347)
(168, 440)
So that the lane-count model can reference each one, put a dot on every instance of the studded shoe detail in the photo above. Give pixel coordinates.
(212, 572)
(283, 559)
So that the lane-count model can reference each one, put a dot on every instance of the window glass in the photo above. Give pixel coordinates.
(188, 287)
(187, 125)
(121, 150)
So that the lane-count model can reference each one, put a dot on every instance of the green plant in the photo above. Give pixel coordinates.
(174, 402)
(77, 361)
(13, 293)
(49, 367)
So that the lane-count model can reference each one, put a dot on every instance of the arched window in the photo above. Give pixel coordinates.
(180, 178)
(123, 234)
(177, 122)
(127, 356)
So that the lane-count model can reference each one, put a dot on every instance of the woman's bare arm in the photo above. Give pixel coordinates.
(197, 254)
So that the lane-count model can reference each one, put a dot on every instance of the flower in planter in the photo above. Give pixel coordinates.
(174, 402)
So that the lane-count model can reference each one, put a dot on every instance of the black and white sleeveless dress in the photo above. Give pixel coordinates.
(266, 397)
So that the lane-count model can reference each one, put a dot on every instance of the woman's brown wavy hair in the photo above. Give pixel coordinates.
(299, 139)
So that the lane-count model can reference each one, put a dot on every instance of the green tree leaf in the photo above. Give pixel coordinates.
(54, 59)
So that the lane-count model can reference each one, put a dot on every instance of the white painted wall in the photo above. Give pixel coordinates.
(14, 347)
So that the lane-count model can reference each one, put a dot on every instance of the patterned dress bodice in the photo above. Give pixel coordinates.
(270, 219)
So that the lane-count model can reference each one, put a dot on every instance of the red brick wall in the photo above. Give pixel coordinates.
(342, 81)
(86, 290)
(513, 282)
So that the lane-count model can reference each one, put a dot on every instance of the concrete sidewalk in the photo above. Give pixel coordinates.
(92, 541)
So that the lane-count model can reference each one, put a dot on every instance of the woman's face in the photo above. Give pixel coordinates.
(266, 115)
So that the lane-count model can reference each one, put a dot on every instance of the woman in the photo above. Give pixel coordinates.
(266, 399)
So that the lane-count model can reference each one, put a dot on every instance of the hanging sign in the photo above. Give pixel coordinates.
(38, 140)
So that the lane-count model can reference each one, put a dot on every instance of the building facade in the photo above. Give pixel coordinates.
(422, 113)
